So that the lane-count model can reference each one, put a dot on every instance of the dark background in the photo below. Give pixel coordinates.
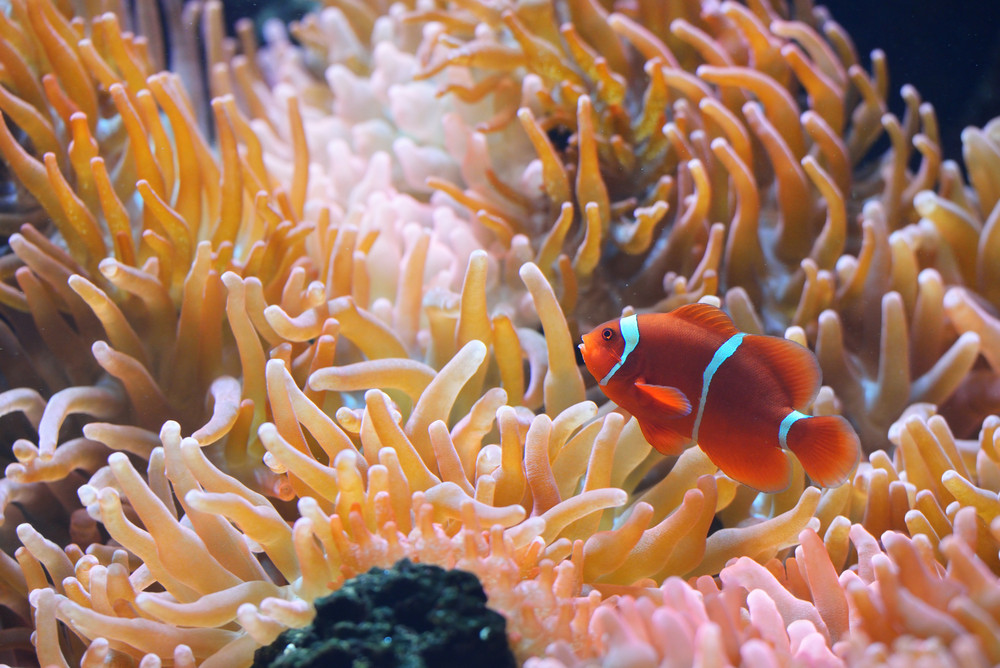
(949, 50)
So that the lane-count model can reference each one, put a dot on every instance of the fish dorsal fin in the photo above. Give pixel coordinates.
(707, 317)
(673, 402)
(794, 366)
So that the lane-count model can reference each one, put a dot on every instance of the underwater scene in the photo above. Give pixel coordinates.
(543, 333)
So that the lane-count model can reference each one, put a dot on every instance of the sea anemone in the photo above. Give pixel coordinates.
(255, 346)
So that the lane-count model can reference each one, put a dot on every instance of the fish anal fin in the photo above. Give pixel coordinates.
(827, 447)
(664, 439)
(793, 365)
(707, 317)
(764, 467)
(672, 401)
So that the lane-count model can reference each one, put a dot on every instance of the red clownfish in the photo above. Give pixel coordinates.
(691, 376)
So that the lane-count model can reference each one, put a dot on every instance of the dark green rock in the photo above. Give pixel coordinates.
(407, 616)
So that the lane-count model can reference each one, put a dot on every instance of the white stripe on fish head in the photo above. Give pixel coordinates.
(629, 327)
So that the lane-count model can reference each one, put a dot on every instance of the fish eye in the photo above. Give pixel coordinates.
(608, 334)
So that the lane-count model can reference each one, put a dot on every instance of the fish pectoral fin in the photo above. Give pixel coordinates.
(673, 402)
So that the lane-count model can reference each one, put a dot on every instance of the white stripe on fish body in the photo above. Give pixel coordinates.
(723, 353)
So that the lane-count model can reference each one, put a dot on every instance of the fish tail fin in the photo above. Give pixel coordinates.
(826, 446)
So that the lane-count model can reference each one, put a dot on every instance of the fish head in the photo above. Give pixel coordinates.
(602, 350)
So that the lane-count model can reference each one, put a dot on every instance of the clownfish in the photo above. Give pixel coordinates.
(691, 376)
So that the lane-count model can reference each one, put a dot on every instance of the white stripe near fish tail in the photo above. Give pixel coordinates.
(724, 352)
(786, 424)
